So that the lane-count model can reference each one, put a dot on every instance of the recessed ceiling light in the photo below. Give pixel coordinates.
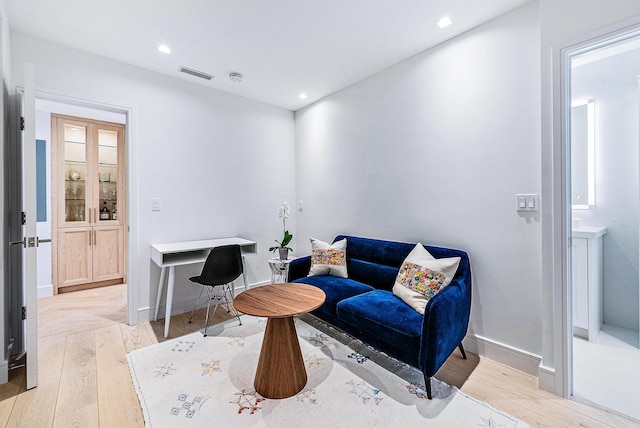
(235, 77)
(302, 96)
(444, 22)
(164, 49)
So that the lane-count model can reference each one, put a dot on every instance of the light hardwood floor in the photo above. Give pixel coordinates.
(84, 378)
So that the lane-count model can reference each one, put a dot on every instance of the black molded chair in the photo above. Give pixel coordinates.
(222, 267)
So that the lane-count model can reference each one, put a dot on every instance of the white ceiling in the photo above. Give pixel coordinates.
(281, 47)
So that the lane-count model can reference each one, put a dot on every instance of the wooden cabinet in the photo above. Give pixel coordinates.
(74, 256)
(89, 204)
(108, 248)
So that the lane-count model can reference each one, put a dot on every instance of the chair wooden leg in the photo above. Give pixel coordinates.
(464, 354)
(427, 386)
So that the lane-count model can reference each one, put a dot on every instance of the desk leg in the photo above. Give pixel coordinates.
(244, 274)
(163, 274)
(167, 316)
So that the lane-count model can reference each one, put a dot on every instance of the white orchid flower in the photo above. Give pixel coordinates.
(284, 211)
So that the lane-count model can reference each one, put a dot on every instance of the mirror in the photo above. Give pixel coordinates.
(583, 156)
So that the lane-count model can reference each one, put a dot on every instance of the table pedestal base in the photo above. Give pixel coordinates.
(281, 372)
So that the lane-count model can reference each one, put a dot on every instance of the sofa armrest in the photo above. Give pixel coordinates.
(445, 324)
(299, 268)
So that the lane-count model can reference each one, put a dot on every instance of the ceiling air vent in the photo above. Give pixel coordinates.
(195, 73)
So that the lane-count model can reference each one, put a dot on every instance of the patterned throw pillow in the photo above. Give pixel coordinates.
(328, 259)
(421, 277)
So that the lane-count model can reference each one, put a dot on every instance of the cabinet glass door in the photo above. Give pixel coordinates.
(107, 175)
(75, 173)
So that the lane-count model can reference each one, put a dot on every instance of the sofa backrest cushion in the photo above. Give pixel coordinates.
(376, 262)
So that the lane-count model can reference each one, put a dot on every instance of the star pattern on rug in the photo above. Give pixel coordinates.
(318, 339)
(183, 346)
(248, 401)
(360, 359)
(417, 390)
(186, 407)
(312, 361)
(192, 370)
(307, 397)
(364, 391)
(210, 368)
(164, 370)
(236, 341)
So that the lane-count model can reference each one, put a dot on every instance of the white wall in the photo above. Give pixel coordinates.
(613, 86)
(434, 150)
(563, 24)
(220, 164)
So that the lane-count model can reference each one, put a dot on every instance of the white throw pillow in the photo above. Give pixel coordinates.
(328, 259)
(421, 277)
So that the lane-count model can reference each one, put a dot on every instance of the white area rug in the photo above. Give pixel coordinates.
(197, 381)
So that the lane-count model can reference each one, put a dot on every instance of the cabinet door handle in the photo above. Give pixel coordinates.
(95, 238)
(90, 235)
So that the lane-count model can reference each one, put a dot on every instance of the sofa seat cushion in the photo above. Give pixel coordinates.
(336, 289)
(385, 316)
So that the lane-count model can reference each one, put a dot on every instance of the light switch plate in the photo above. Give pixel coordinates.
(527, 202)
(155, 204)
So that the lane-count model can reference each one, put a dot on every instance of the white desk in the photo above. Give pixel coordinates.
(172, 254)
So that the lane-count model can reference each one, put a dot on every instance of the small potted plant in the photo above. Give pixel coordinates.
(283, 249)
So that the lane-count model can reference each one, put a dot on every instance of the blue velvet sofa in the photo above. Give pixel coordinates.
(364, 306)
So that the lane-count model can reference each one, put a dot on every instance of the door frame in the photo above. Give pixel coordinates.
(557, 232)
(130, 226)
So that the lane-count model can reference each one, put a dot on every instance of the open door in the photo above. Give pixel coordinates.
(29, 241)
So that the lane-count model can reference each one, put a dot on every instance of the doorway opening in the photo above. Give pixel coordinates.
(46, 109)
(603, 170)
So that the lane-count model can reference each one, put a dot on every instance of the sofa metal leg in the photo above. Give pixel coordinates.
(427, 386)
(464, 354)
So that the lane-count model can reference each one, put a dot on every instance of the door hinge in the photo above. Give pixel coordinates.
(24, 312)
(22, 123)
(24, 218)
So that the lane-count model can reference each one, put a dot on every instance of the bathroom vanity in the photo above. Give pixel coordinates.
(587, 280)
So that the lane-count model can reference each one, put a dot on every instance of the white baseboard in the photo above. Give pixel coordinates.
(4, 372)
(179, 307)
(505, 354)
(547, 378)
(45, 291)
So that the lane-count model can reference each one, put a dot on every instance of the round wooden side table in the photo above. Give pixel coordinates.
(280, 372)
